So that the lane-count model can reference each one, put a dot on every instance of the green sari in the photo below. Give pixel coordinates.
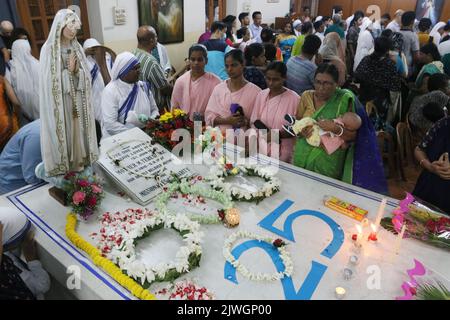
(339, 165)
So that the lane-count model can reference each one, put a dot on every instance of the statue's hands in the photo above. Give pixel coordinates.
(73, 63)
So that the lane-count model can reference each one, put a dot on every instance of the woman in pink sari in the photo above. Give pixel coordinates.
(271, 107)
(193, 90)
(232, 102)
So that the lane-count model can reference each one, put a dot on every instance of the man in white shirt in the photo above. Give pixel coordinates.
(395, 25)
(125, 99)
(256, 28)
(160, 54)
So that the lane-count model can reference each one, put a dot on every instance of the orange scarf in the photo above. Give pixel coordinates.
(9, 123)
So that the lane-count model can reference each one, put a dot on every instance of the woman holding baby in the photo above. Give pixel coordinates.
(351, 146)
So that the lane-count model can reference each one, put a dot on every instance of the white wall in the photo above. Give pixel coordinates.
(269, 10)
(123, 38)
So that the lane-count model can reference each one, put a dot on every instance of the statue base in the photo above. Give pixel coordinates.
(59, 195)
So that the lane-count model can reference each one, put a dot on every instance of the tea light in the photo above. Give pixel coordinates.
(373, 236)
(340, 293)
(354, 260)
(348, 274)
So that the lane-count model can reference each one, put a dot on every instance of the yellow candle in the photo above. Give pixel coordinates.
(340, 293)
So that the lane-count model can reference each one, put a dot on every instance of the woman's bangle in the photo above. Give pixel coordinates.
(342, 131)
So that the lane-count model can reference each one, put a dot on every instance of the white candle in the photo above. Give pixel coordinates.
(400, 237)
(380, 214)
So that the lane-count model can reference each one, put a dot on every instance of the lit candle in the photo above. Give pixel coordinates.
(380, 214)
(340, 293)
(400, 237)
(373, 236)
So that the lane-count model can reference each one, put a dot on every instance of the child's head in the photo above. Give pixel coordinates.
(351, 121)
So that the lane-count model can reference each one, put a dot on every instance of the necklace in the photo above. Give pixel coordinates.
(149, 149)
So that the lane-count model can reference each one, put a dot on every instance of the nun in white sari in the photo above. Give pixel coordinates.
(98, 83)
(126, 99)
(68, 136)
(24, 78)
(437, 32)
(365, 42)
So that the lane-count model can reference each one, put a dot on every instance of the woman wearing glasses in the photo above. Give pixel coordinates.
(360, 164)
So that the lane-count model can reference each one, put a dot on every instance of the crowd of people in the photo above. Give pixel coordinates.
(326, 69)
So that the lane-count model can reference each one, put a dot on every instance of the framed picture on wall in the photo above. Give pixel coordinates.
(166, 16)
(431, 9)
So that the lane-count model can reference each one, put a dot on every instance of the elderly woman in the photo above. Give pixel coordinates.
(325, 104)
(332, 52)
(437, 32)
(19, 280)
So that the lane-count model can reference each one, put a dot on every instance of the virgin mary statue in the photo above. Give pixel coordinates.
(68, 136)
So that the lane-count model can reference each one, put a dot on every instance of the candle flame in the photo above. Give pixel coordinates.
(359, 228)
(374, 227)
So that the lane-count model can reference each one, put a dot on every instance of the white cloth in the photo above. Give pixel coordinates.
(98, 83)
(15, 226)
(444, 48)
(319, 18)
(164, 58)
(435, 34)
(24, 78)
(394, 26)
(35, 277)
(349, 21)
(365, 42)
(67, 143)
(116, 94)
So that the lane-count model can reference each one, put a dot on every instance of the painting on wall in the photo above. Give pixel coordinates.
(166, 16)
(431, 9)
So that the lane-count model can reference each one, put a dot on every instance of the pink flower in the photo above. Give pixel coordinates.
(78, 197)
(96, 189)
(83, 183)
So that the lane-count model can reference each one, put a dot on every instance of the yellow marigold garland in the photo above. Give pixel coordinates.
(104, 263)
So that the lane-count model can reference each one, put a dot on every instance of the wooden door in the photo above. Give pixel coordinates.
(37, 18)
(211, 7)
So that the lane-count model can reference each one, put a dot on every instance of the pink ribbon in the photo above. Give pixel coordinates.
(399, 215)
(419, 270)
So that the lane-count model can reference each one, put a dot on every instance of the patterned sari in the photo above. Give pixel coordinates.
(9, 124)
(359, 165)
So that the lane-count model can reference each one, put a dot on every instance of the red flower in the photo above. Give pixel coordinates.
(221, 215)
(413, 291)
(92, 202)
(167, 126)
(179, 124)
(83, 183)
(431, 226)
(69, 175)
(229, 166)
(279, 243)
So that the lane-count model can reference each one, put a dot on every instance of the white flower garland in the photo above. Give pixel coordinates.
(284, 254)
(221, 171)
(137, 226)
(191, 188)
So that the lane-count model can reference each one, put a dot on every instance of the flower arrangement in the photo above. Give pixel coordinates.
(277, 243)
(84, 194)
(185, 290)
(121, 232)
(191, 188)
(212, 140)
(104, 263)
(162, 129)
(422, 224)
(224, 169)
